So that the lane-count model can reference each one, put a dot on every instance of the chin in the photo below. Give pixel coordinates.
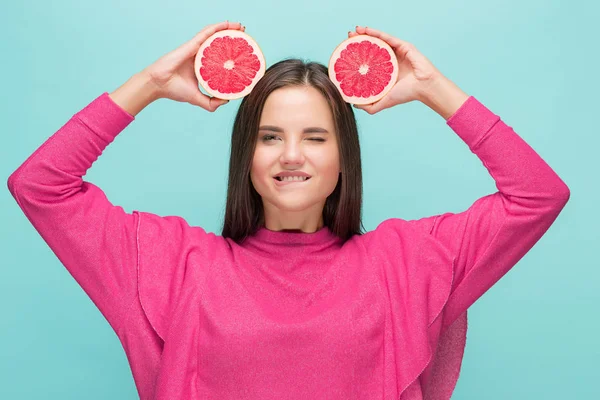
(293, 206)
(294, 203)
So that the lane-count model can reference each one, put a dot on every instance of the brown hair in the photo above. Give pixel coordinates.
(244, 213)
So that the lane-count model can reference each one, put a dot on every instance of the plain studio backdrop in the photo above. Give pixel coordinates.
(534, 335)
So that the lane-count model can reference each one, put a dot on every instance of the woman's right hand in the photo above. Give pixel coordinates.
(173, 74)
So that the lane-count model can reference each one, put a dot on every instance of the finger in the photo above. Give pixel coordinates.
(352, 34)
(375, 107)
(214, 103)
(389, 39)
(207, 102)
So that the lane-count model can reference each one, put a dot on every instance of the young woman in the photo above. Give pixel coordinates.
(292, 300)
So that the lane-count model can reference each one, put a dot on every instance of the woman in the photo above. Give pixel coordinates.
(292, 300)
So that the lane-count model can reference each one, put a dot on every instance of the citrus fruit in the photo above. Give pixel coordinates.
(363, 68)
(229, 64)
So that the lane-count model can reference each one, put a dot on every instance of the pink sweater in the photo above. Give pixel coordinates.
(287, 315)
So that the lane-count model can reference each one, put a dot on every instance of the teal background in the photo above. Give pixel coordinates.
(534, 335)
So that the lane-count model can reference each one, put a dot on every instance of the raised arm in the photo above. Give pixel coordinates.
(99, 243)
(497, 230)
(95, 240)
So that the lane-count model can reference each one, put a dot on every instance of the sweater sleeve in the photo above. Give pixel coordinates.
(94, 240)
(497, 230)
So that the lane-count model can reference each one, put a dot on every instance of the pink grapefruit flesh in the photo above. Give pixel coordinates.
(229, 64)
(363, 68)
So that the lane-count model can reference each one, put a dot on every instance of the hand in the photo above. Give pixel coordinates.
(173, 74)
(415, 72)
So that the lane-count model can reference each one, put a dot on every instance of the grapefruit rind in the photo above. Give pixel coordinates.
(256, 51)
(335, 56)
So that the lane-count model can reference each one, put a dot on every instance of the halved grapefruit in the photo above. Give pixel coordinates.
(363, 68)
(229, 64)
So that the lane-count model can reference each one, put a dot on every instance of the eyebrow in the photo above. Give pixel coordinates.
(312, 129)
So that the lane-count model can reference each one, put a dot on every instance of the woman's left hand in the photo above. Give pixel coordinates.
(415, 72)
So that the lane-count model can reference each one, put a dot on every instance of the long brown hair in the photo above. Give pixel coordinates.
(244, 213)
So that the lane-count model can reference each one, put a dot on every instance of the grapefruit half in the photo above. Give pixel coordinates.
(363, 68)
(229, 64)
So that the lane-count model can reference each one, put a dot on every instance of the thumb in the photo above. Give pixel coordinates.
(206, 102)
(375, 107)
(214, 103)
(219, 102)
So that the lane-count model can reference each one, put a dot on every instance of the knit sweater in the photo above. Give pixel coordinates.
(287, 315)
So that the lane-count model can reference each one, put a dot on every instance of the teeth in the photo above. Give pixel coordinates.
(292, 178)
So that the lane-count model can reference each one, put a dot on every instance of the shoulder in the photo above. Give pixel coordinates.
(392, 230)
(407, 247)
(170, 253)
(172, 234)
(416, 266)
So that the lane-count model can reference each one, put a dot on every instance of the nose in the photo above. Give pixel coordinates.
(292, 153)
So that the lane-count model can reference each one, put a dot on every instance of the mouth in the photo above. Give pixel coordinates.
(280, 179)
(289, 183)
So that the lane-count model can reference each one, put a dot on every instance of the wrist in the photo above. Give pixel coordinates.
(443, 96)
(135, 94)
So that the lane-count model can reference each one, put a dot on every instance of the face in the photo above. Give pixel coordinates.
(296, 133)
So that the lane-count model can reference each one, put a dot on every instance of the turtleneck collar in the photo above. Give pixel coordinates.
(316, 241)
